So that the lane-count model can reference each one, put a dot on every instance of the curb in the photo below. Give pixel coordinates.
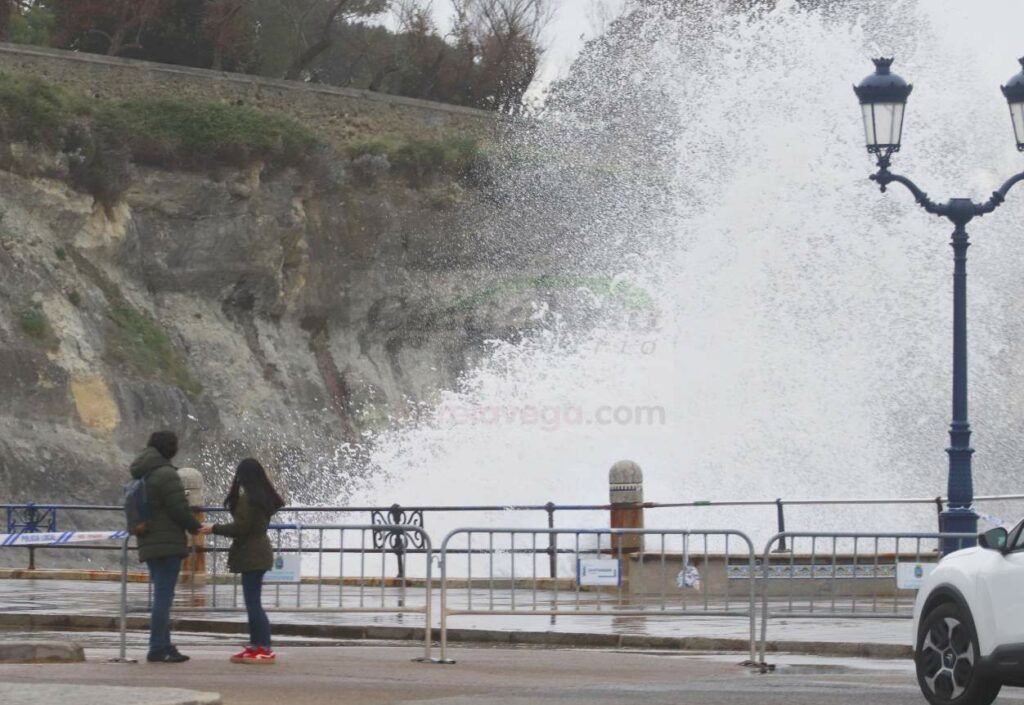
(99, 576)
(20, 694)
(41, 652)
(576, 640)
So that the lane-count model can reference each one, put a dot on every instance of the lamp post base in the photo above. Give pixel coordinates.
(958, 520)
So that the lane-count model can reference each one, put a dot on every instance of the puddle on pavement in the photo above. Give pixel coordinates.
(790, 664)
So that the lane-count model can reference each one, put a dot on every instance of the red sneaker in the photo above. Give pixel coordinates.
(262, 657)
(241, 656)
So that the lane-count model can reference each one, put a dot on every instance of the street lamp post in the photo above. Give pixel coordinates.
(883, 98)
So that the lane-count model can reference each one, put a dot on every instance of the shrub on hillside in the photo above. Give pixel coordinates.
(35, 324)
(178, 134)
(35, 111)
(421, 161)
(101, 138)
(140, 343)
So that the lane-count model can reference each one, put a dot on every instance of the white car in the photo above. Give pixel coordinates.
(969, 622)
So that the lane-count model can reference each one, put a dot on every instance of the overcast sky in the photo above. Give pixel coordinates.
(573, 24)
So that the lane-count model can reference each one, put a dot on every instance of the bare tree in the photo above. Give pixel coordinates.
(120, 24)
(420, 50)
(7, 10)
(412, 15)
(506, 20)
(224, 23)
(506, 39)
(130, 19)
(316, 23)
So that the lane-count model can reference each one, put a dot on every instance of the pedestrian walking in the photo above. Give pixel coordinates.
(161, 541)
(252, 501)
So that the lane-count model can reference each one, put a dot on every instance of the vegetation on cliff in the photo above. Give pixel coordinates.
(134, 340)
(36, 326)
(188, 134)
(419, 161)
(139, 342)
(99, 140)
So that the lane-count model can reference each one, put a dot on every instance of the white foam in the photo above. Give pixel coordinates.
(803, 347)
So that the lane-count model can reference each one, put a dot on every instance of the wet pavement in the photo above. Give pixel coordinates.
(137, 641)
(313, 671)
(224, 603)
(18, 694)
(385, 675)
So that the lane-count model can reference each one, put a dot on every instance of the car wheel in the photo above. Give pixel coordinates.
(947, 660)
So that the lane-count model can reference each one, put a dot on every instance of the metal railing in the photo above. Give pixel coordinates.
(616, 572)
(31, 519)
(846, 575)
(47, 514)
(82, 540)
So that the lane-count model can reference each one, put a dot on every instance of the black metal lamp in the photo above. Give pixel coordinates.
(883, 100)
(1014, 92)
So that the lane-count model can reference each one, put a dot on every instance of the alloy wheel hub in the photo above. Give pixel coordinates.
(948, 656)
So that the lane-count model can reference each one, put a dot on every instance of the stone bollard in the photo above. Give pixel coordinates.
(194, 568)
(626, 494)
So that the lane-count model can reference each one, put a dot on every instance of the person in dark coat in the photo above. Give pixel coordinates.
(163, 545)
(252, 501)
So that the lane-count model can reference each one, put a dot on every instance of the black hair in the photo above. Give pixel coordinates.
(166, 443)
(251, 477)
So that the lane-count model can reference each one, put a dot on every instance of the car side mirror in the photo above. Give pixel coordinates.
(994, 539)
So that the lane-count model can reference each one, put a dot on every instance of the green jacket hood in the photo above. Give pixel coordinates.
(148, 461)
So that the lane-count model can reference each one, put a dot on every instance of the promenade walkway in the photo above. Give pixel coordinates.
(326, 657)
(385, 675)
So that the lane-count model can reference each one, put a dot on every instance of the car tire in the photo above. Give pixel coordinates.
(947, 659)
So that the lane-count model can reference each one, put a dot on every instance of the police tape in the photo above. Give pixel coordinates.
(991, 520)
(60, 538)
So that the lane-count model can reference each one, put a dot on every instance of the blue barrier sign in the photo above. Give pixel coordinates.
(60, 538)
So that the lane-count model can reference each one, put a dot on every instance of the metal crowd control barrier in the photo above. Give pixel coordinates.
(615, 573)
(846, 575)
(351, 567)
(122, 625)
(35, 517)
(598, 572)
(83, 540)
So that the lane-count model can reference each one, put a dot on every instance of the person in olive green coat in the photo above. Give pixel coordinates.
(252, 501)
(163, 544)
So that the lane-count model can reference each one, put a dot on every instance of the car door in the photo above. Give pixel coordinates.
(1004, 586)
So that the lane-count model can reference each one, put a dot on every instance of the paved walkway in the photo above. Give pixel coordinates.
(22, 694)
(386, 676)
(325, 671)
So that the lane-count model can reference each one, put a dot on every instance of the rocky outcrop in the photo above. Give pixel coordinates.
(283, 315)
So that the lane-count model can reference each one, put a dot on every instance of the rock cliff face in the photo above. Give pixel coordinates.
(281, 315)
(288, 312)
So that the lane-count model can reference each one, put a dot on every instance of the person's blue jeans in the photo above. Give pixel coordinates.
(163, 574)
(259, 623)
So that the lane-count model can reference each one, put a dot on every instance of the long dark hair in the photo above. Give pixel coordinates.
(251, 477)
